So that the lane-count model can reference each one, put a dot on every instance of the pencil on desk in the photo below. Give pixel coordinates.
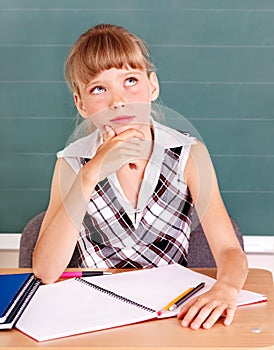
(167, 307)
(183, 297)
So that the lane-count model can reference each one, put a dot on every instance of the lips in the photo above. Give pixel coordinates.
(122, 119)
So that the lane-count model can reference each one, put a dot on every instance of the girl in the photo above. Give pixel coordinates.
(124, 193)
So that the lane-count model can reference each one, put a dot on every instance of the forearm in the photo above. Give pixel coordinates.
(232, 268)
(65, 214)
(57, 240)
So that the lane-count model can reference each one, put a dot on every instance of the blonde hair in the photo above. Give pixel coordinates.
(103, 47)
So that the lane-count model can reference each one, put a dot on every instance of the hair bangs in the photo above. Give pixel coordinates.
(101, 48)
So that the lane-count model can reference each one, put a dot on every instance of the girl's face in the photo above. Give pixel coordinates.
(119, 98)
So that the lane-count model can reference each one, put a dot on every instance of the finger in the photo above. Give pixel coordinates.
(230, 312)
(134, 144)
(190, 315)
(131, 155)
(119, 129)
(130, 134)
(126, 146)
(109, 133)
(185, 308)
(202, 314)
(122, 155)
(213, 318)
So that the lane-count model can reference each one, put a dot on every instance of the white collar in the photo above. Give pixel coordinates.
(164, 136)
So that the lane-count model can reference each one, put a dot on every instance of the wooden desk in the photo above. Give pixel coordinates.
(253, 328)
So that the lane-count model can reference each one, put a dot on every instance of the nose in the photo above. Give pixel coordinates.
(118, 100)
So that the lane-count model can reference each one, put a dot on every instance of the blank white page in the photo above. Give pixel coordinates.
(70, 307)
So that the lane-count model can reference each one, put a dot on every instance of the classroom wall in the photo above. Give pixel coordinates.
(216, 67)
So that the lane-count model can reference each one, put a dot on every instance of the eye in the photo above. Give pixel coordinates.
(97, 90)
(131, 81)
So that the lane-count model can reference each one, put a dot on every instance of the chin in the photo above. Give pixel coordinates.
(123, 127)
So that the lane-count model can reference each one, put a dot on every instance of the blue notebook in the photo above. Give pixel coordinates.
(16, 290)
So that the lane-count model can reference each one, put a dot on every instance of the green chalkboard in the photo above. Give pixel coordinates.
(215, 62)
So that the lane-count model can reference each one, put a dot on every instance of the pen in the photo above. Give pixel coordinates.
(183, 297)
(73, 274)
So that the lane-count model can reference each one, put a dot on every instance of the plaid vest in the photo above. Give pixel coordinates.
(108, 238)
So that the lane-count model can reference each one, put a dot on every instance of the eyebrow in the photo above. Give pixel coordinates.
(95, 82)
(134, 71)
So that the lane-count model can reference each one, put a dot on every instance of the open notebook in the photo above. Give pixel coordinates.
(93, 303)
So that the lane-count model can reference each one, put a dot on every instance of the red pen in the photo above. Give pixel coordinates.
(73, 274)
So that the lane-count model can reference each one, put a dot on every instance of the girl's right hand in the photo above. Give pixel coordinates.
(118, 150)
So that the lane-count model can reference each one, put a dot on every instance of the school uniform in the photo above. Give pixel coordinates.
(156, 232)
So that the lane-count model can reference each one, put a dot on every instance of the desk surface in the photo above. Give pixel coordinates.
(253, 328)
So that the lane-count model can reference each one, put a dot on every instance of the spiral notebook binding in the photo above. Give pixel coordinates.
(35, 283)
(115, 295)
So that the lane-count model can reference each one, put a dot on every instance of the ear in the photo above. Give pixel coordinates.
(80, 106)
(154, 84)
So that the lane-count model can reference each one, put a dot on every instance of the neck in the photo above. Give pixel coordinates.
(147, 130)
